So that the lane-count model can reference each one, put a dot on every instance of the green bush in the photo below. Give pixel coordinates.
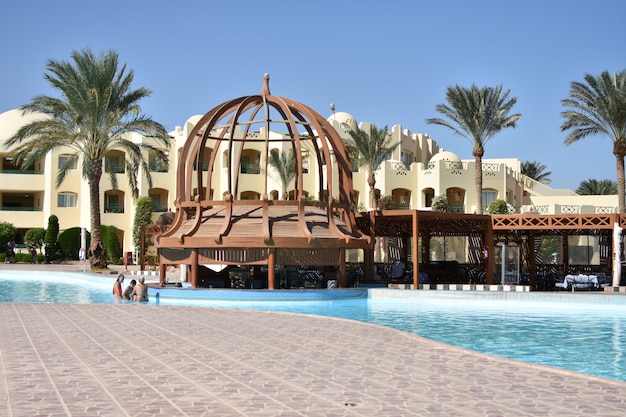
(440, 203)
(51, 247)
(143, 217)
(498, 207)
(35, 237)
(7, 234)
(23, 257)
(385, 203)
(69, 242)
(111, 244)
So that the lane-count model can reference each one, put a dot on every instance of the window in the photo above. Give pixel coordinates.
(156, 164)
(488, 197)
(115, 164)
(67, 159)
(67, 200)
(407, 159)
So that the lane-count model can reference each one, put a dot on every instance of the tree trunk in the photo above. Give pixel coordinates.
(478, 152)
(97, 252)
(371, 181)
(619, 150)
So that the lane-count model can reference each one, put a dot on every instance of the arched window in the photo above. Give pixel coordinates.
(67, 200)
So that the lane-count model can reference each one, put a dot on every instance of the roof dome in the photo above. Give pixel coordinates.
(342, 120)
(445, 156)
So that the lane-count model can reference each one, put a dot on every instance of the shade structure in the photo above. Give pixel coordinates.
(244, 225)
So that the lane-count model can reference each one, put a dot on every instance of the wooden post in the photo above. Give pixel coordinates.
(532, 259)
(271, 269)
(415, 252)
(490, 264)
(194, 268)
(342, 268)
(162, 268)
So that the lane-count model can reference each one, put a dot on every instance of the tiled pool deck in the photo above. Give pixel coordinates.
(146, 360)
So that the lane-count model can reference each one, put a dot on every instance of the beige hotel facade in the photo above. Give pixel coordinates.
(416, 172)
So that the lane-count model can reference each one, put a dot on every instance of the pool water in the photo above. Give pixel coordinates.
(580, 333)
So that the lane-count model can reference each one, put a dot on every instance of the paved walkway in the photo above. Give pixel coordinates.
(147, 360)
(150, 360)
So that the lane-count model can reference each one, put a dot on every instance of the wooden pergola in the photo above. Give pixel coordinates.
(485, 231)
(230, 230)
(422, 225)
(525, 229)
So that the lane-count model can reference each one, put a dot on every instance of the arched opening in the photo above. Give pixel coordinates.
(456, 198)
(155, 164)
(250, 195)
(274, 195)
(250, 162)
(114, 201)
(159, 199)
(401, 198)
(206, 155)
(428, 194)
(114, 162)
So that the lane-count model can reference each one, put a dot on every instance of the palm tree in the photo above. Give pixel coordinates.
(477, 114)
(597, 187)
(598, 107)
(96, 109)
(285, 167)
(535, 170)
(370, 150)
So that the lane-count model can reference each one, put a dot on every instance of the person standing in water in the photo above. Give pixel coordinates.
(117, 287)
(140, 293)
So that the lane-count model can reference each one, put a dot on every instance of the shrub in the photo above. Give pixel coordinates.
(50, 241)
(440, 203)
(143, 217)
(7, 234)
(498, 207)
(385, 203)
(111, 244)
(35, 237)
(23, 257)
(69, 242)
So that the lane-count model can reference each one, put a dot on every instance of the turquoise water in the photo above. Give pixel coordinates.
(584, 333)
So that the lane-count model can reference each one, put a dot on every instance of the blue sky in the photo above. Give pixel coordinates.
(388, 62)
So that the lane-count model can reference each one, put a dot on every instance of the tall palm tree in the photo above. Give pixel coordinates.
(285, 166)
(96, 109)
(477, 114)
(597, 187)
(371, 149)
(536, 171)
(597, 106)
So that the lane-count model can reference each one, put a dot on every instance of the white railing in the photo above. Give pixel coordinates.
(541, 189)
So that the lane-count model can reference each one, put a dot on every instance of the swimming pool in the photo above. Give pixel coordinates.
(579, 332)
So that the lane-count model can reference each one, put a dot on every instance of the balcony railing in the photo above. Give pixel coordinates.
(116, 168)
(158, 167)
(114, 208)
(159, 207)
(457, 208)
(9, 208)
(250, 169)
(21, 171)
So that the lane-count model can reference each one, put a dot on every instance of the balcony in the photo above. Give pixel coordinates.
(114, 208)
(116, 168)
(158, 167)
(159, 207)
(10, 208)
(250, 168)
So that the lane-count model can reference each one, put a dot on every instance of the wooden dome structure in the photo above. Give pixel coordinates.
(236, 228)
